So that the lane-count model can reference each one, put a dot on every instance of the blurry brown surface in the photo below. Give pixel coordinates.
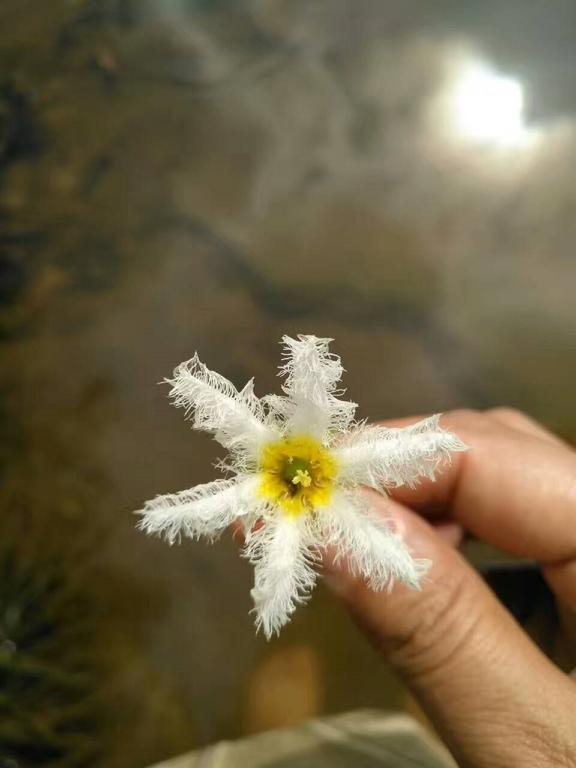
(181, 176)
(285, 689)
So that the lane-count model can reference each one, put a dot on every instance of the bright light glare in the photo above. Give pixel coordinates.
(489, 108)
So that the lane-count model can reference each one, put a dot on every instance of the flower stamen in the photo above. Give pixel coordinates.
(302, 477)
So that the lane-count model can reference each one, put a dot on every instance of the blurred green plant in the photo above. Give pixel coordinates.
(51, 665)
(55, 617)
(77, 687)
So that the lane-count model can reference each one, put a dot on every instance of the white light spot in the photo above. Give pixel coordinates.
(489, 108)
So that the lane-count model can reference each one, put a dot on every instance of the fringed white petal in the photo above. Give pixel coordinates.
(283, 573)
(312, 374)
(279, 407)
(204, 510)
(368, 543)
(237, 419)
(382, 457)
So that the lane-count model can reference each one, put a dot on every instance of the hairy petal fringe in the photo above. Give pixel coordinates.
(312, 374)
(279, 408)
(368, 543)
(204, 510)
(283, 573)
(384, 457)
(237, 419)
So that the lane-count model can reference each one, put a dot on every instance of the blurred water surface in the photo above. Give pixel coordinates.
(179, 176)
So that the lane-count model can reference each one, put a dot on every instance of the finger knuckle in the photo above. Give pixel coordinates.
(439, 633)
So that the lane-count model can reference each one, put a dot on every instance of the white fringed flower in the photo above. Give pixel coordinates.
(297, 462)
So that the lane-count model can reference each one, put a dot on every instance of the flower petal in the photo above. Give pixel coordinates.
(279, 407)
(383, 457)
(204, 510)
(372, 549)
(312, 375)
(237, 419)
(283, 573)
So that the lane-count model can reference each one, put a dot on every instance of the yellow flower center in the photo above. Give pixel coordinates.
(297, 474)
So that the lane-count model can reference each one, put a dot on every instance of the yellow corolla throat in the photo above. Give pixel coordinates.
(297, 474)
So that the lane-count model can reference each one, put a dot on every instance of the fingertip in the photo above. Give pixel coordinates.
(237, 531)
(452, 533)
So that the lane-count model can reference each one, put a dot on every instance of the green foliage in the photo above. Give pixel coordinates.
(50, 667)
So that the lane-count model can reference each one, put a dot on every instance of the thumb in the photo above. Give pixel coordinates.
(493, 696)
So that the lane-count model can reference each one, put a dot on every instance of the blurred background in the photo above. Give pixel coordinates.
(181, 175)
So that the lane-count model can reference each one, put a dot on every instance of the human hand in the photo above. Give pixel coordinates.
(493, 696)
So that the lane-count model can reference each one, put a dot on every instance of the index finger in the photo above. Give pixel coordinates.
(513, 489)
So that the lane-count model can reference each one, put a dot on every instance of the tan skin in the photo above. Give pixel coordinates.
(495, 699)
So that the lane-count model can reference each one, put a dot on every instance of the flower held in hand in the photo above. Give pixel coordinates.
(296, 464)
